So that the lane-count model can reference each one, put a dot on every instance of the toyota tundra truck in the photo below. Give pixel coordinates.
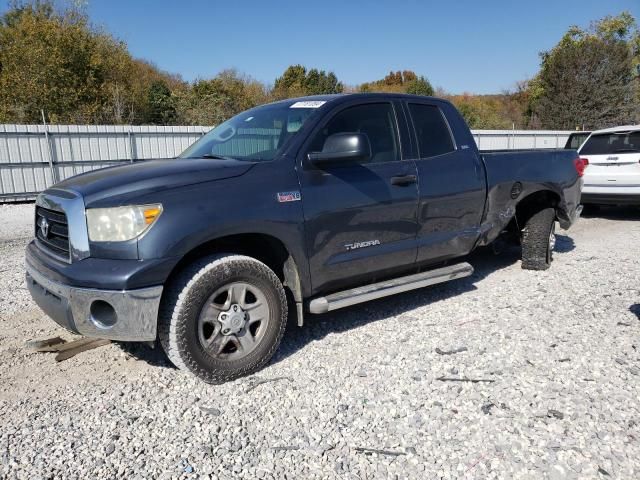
(298, 207)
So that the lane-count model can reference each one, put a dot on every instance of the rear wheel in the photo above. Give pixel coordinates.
(223, 317)
(539, 240)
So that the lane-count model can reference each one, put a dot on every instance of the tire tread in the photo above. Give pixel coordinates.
(535, 239)
(175, 306)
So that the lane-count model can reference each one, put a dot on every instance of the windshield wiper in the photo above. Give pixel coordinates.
(216, 157)
(621, 150)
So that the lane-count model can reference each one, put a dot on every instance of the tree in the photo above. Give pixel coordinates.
(405, 81)
(420, 86)
(296, 81)
(56, 61)
(318, 82)
(588, 78)
(210, 102)
(482, 111)
(161, 104)
(46, 63)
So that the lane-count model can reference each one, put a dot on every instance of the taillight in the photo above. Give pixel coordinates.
(581, 164)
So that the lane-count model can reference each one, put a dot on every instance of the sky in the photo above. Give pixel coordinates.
(481, 46)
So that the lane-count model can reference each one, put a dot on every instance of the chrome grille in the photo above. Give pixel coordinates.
(52, 232)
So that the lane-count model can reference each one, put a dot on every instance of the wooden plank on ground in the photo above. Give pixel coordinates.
(37, 344)
(66, 346)
(80, 347)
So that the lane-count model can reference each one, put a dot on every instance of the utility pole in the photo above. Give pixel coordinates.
(54, 173)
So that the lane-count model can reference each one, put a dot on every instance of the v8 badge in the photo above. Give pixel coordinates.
(289, 196)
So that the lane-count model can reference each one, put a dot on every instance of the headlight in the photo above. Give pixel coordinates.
(119, 224)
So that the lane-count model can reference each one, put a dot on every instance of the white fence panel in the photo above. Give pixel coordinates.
(34, 157)
(519, 139)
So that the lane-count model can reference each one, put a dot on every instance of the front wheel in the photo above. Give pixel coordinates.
(539, 240)
(223, 317)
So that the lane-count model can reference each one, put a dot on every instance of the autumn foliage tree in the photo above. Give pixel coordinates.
(53, 59)
(58, 62)
(212, 101)
(500, 111)
(405, 81)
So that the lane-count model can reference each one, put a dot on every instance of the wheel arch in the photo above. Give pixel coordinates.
(533, 203)
(510, 214)
(266, 248)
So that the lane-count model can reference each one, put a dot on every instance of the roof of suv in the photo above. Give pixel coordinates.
(622, 128)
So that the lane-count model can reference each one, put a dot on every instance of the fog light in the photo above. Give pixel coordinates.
(103, 314)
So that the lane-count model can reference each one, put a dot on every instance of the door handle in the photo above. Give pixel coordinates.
(403, 180)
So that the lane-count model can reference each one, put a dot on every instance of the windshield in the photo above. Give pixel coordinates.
(255, 135)
(607, 143)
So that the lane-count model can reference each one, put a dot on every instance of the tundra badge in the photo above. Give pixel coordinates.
(369, 243)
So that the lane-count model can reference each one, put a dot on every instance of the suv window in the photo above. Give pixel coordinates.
(376, 120)
(607, 143)
(434, 137)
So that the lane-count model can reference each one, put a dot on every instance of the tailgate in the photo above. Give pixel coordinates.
(614, 159)
(613, 170)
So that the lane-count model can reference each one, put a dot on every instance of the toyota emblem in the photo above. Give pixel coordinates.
(44, 227)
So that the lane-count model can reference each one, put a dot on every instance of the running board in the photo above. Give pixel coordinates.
(390, 287)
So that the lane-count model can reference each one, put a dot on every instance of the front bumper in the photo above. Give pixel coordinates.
(126, 315)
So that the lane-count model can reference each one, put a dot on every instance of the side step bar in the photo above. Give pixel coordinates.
(390, 287)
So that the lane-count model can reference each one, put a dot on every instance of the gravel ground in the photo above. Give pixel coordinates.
(360, 393)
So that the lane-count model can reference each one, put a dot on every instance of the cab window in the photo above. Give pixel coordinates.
(434, 136)
(375, 120)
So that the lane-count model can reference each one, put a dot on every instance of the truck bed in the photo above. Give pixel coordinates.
(512, 175)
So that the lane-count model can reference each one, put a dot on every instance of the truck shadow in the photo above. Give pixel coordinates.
(608, 212)
(484, 261)
(564, 244)
(153, 355)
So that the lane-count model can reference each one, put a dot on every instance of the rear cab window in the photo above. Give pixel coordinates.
(575, 140)
(432, 130)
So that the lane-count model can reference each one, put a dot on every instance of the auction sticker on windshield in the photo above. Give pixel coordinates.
(308, 104)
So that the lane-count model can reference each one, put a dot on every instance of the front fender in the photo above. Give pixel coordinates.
(195, 215)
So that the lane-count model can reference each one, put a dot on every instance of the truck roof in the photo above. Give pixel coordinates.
(345, 96)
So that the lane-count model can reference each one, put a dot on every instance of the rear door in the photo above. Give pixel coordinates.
(614, 159)
(452, 184)
(360, 222)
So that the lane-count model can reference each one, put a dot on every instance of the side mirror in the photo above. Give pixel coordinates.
(343, 147)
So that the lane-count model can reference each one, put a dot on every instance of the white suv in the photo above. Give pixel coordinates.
(613, 175)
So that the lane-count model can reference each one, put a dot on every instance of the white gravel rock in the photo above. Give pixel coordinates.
(358, 395)
(16, 231)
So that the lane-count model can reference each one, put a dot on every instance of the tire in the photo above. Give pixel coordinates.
(538, 240)
(201, 332)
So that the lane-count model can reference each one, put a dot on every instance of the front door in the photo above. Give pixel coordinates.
(360, 217)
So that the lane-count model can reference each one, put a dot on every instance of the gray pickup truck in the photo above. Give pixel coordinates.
(301, 206)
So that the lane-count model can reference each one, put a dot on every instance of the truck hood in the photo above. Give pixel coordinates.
(151, 176)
